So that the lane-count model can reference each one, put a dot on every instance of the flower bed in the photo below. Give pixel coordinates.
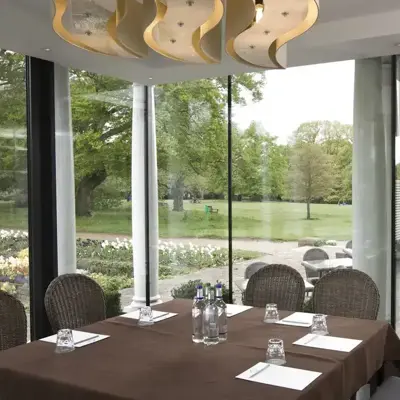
(115, 257)
(110, 262)
(13, 272)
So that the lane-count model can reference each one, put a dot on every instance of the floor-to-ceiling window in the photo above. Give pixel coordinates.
(312, 172)
(191, 130)
(292, 166)
(309, 164)
(102, 134)
(14, 253)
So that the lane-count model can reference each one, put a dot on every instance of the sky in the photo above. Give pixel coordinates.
(302, 94)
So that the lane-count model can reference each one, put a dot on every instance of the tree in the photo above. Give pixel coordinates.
(192, 133)
(102, 126)
(259, 164)
(310, 173)
(336, 139)
(13, 125)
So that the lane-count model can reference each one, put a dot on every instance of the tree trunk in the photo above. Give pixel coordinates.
(308, 209)
(83, 200)
(177, 194)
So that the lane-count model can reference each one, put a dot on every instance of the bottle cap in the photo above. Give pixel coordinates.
(199, 287)
(218, 285)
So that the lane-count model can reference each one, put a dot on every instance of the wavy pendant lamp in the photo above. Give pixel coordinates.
(187, 30)
(191, 31)
(112, 27)
(257, 30)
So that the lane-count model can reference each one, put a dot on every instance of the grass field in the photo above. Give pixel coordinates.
(269, 220)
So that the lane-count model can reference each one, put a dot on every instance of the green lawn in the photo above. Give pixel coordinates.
(269, 220)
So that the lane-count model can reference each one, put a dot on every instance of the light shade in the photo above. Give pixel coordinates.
(112, 27)
(256, 31)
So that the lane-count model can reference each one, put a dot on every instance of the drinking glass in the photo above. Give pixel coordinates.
(145, 316)
(319, 326)
(276, 352)
(65, 341)
(271, 314)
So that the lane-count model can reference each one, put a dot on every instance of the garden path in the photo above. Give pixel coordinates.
(263, 246)
(282, 253)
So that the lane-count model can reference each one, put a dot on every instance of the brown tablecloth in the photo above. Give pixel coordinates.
(161, 363)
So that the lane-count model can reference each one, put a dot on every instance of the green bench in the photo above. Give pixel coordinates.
(210, 210)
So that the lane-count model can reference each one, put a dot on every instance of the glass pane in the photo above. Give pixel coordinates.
(14, 262)
(312, 178)
(191, 129)
(102, 134)
(292, 171)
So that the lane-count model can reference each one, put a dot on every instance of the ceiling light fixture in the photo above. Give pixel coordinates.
(268, 25)
(256, 31)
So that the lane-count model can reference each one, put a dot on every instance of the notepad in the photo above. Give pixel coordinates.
(81, 339)
(276, 375)
(328, 342)
(297, 319)
(157, 315)
(234, 309)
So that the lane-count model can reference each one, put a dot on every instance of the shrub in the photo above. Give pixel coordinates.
(331, 243)
(113, 303)
(163, 214)
(111, 286)
(111, 283)
(21, 200)
(107, 196)
(12, 242)
(165, 271)
(110, 268)
(188, 290)
(24, 253)
(320, 243)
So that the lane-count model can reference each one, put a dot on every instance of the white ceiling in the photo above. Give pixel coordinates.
(346, 29)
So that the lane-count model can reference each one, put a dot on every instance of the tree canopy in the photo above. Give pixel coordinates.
(191, 123)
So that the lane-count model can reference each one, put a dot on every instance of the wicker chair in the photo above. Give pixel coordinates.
(314, 254)
(253, 268)
(275, 283)
(13, 324)
(73, 301)
(346, 293)
(349, 244)
(389, 390)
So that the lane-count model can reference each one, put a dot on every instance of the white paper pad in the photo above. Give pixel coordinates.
(328, 342)
(157, 315)
(297, 319)
(80, 338)
(233, 309)
(276, 375)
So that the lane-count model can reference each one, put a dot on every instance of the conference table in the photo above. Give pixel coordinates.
(161, 362)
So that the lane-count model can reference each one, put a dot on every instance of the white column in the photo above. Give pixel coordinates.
(372, 175)
(66, 231)
(138, 198)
